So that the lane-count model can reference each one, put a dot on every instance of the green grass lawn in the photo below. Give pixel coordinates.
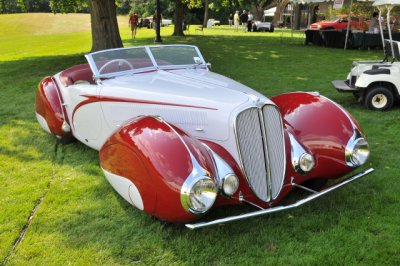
(81, 220)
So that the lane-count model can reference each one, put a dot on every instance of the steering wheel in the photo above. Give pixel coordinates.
(119, 61)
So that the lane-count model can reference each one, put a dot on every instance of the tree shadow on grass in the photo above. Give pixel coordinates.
(20, 130)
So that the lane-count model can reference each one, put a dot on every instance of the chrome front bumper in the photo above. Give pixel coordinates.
(281, 208)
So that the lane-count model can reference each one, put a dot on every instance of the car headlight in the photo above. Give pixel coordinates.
(357, 152)
(199, 195)
(302, 161)
(306, 162)
(230, 184)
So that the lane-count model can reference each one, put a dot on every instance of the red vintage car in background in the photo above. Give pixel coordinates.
(340, 23)
(177, 140)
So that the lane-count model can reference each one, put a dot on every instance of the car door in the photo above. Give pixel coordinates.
(84, 112)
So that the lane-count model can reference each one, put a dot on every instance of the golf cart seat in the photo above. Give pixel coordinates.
(388, 50)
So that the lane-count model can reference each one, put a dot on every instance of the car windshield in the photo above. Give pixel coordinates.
(114, 62)
(335, 19)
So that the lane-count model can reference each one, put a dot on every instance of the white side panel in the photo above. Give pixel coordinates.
(125, 188)
(197, 122)
(43, 123)
(87, 121)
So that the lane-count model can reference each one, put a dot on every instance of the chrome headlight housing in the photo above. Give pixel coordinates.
(303, 161)
(226, 180)
(198, 194)
(357, 151)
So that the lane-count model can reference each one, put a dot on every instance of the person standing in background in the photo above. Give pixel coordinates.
(244, 18)
(236, 20)
(250, 22)
(230, 19)
(374, 26)
(133, 23)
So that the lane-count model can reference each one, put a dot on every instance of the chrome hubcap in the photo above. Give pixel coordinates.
(379, 101)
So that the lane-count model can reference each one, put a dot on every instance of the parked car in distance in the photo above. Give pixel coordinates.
(213, 22)
(263, 26)
(166, 22)
(144, 22)
(340, 23)
(176, 140)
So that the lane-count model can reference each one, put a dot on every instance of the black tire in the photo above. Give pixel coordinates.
(358, 96)
(379, 99)
(271, 29)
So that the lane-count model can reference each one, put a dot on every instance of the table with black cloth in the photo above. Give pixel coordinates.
(357, 40)
(328, 38)
(365, 41)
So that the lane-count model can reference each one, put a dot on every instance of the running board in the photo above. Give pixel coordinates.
(280, 208)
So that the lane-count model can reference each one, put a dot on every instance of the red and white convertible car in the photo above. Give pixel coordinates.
(177, 140)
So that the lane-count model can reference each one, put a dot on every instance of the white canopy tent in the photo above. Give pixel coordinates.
(270, 12)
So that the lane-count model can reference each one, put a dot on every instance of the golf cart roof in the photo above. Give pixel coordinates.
(386, 2)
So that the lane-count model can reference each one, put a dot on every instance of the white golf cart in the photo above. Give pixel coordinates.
(376, 84)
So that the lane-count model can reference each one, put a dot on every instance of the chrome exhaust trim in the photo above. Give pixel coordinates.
(281, 208)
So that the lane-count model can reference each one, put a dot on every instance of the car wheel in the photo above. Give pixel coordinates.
(379, 98)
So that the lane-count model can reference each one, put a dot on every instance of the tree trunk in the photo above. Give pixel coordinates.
(205, 13)
(105, 31)
(178, 26)
(279, 10)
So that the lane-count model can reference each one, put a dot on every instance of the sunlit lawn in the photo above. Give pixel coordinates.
(81, 220)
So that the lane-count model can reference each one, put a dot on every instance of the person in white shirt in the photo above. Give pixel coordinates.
(236, 20)
(250, 22)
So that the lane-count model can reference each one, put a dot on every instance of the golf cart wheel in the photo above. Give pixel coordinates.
(379, 98)
(357, 95)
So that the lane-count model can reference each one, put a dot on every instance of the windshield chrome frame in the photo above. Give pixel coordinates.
(97, 76)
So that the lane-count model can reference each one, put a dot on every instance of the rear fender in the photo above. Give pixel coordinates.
(147, 161)
(49, 109)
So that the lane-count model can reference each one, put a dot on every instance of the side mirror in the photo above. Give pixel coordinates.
(197, 60)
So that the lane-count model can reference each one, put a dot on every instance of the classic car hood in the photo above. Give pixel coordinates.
(323, 23)
(199, 101)
(199, 87)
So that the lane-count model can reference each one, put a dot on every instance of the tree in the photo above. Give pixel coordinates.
(103, 18)
(178, 23)
(205, 13)
(105, 31)
(12, 6)
(258, 7)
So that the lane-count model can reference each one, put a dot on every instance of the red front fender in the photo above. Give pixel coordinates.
(156, 158)
(322, 126)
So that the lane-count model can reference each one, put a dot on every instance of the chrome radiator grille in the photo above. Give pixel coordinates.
(262, 150)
